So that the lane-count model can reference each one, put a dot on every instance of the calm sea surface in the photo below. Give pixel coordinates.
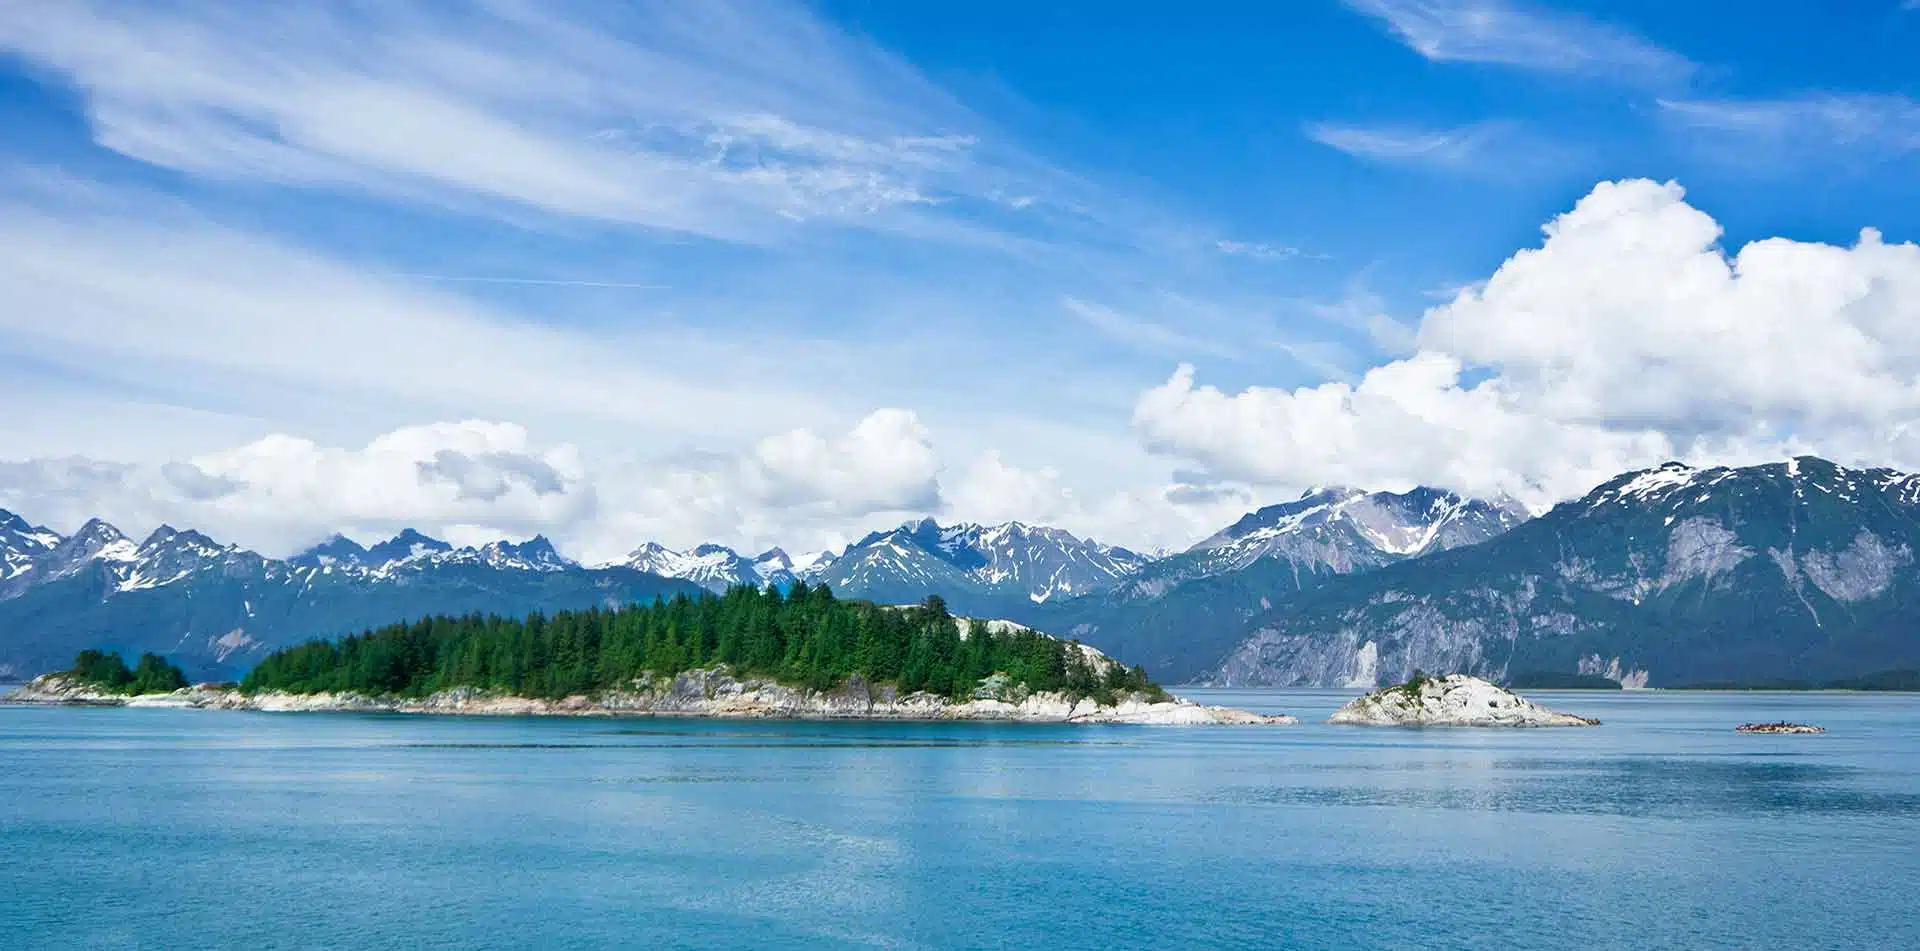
(1661, 829)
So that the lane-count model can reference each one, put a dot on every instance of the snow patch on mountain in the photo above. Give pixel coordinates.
(717, 567)
(1009, 560)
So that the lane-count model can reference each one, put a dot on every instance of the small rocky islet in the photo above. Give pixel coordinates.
(1452, 700)
(1781, 727)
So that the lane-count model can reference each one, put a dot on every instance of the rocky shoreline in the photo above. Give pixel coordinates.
(699, 693)
(1453, 700)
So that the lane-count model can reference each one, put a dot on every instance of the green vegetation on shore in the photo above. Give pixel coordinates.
(806, 636)
(1412, 687)
(107, 671)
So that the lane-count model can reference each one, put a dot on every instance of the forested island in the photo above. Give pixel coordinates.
(749, 652)
(805, 637)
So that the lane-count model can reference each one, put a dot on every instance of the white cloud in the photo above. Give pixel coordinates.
(145, 333)
(1171, 516)
(1511, 34)
(1462, 148)
(991, 491)
(251, 326)
(301, 273)
(885, 464)
(721, 119)
(1820, 128)
(476, 481)
(1627, 338)
(1262, 251)
(1145, 335)
(470, 481)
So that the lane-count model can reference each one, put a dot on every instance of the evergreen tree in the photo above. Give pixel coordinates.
(106, 670)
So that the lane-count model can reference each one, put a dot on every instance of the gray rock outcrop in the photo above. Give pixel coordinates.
(1453, 700)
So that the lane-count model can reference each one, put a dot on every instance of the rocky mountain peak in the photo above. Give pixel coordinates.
(408, 544)
(21, 543)
(338, 549)
(534, 554)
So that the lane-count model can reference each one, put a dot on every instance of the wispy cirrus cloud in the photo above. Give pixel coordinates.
(1264, 251)
(724, 120)
(1510, 34)
(1466, 148)
(1145, 335)
(1446, 148)
(260, 286)
(1826, 127)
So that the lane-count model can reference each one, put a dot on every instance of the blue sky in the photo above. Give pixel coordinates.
(771, 272)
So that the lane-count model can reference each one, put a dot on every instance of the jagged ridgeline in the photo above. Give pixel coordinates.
(804, 636)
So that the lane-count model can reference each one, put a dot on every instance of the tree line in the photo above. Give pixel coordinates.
(803, 636)
(108, 671)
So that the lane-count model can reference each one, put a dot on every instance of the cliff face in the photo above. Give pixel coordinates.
(699, 693)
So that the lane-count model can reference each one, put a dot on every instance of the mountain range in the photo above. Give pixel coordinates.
(1802, 570)
(215, 609)
(1665, 576)
(1179, 615)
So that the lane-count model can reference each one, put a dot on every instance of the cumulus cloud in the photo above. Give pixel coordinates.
(476, 481)
(991, 489)
(470, 481)
(1628, 337)
(886, 463)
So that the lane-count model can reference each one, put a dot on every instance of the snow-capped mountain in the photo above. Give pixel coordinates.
(336, 550)
(170, 555)
(408, 545)
(21, 543)
(413, 551)
(1180, 614)
(214, 607)
(975, 566)
(96, 541)
(1801, 570)
(1335, 531)
(717, 567)
(1667, 575)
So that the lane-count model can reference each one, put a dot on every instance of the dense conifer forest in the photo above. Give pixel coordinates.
(151, 674)
(804, 636)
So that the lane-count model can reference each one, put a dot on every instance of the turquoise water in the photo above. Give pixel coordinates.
(1661, 829)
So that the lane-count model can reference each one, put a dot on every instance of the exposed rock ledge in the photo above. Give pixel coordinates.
(1453, 700)
(1781, 727)
(699, 693)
